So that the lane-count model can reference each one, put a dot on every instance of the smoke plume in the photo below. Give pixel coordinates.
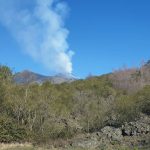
(38, 26)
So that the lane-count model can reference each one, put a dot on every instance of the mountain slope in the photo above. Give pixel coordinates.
(31, 77)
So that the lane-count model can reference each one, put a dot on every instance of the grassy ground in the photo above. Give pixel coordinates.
(31, 147)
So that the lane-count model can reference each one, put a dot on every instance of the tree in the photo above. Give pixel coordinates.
(5, 73)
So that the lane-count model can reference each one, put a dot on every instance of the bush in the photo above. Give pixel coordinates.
(125, 109)
(143, 100)
(10, 132)
(5, 73)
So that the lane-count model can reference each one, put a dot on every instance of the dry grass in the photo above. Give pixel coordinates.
(25, 146)
(16, 146)
(28, 146)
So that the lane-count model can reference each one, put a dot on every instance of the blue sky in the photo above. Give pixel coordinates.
(104, 35)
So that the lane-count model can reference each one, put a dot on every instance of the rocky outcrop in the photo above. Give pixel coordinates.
(141, 126)
(114, 134)
(130, 135)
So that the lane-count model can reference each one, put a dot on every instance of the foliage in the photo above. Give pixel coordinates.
(125, 109)
(9, 131)
(143, 100)
(38, 113)
(5, 73)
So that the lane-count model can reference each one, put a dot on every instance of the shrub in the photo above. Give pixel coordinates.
(125, 109)
(143, 100)
(10, 132)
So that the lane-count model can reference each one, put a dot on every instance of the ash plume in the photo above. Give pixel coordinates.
(39, 28)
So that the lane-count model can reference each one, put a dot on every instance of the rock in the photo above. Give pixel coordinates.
(136, 128)
(130, 135)
(114, 134)
(85, 143)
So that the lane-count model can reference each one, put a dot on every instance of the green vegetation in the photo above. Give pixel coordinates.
(40, 113)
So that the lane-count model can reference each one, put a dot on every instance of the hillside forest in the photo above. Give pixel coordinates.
(40, 113)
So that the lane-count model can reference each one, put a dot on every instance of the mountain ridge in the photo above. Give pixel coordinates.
(28, 76)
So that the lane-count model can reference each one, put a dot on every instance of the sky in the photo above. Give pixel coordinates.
(97, 37)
